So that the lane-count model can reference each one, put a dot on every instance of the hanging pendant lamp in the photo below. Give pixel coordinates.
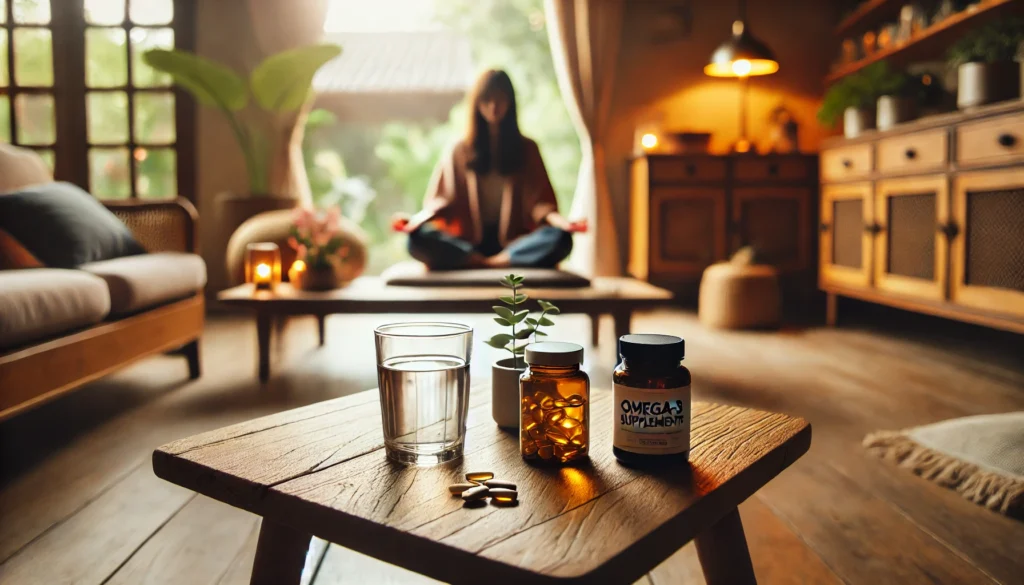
(743, 54)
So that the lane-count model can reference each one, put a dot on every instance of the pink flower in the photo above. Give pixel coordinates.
(322, 238)
(302, 218)
(301, 251)
(333, 219)
(293, 243)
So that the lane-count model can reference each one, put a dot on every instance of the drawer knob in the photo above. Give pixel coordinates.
(950, 230)
(1007, 140)
(910, 153)
(824, 227)
(847, 163)
(691, 169)
(773, 169)
(872, 228)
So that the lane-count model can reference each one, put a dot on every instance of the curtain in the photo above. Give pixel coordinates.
(278, 26)
(585, 37)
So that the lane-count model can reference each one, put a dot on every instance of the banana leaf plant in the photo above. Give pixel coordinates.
(512, 315)
(280, 85)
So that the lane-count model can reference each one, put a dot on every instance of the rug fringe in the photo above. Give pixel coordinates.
(997, 492)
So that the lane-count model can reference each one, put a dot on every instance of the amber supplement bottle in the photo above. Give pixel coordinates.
(554, 421)
(651, 400)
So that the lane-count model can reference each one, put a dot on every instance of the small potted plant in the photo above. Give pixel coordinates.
(899, 95)
(852, 100)
(984, 58)
(320, 249)
(505, 372)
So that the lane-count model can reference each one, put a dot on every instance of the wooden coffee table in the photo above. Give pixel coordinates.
(321, 471)
(618, 297)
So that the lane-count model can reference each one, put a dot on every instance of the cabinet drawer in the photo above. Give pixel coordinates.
(686, 169)
(920, 151)
(991, 141)
(772, 169)
(846, 163)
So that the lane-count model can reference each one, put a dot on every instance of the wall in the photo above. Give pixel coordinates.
(667, 78)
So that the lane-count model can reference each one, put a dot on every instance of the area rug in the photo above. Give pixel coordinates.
(981, 457)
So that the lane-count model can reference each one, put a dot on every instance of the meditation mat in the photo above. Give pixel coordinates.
(416, 274)
(981, 457)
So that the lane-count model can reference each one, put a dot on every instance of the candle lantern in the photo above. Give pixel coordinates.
(263, 265)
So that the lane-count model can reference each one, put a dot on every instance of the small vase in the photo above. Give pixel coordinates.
(856, 121)
(894, 110)
(505, 392)
(314, 279)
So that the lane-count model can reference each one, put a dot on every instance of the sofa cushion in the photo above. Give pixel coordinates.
(416, 274)
(43, 302)
(63, 226)
(139, 282)
(20, 168)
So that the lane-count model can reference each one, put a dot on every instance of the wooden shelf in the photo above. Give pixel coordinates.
(935, 39)
(868, 12)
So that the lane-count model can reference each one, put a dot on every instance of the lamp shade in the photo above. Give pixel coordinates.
(743, 55)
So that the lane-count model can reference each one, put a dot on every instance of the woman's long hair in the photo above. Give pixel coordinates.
(478, 139)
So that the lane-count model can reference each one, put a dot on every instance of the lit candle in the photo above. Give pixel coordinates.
(263, 265)
(295, 273)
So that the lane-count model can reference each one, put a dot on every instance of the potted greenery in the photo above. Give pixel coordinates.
(279, 87)
(505, 372)
(851, 100)
(899, 96)
(984, 59)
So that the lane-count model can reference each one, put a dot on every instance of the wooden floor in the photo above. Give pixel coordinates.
(79, 502)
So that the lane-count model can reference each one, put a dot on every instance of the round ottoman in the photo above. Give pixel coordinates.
(275, 226)
(739, 296)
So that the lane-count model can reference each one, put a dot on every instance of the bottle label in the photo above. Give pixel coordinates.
(652, 422)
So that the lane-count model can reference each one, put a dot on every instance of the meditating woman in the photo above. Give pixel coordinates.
(490, 202)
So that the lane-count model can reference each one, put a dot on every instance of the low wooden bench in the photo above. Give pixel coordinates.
(615, 296)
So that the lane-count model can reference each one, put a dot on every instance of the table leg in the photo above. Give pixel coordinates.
(321, 329)
(622, 319)
(831, 309)
(263, 339)
(723, 554)
(280, 555)
(595, 329)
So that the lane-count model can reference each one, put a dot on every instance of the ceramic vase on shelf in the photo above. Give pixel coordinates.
(856, 121)
(505, 392)
(986, 83)
(894, 110)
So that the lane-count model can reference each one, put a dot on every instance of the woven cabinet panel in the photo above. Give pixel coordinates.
(688, 230)
(912, 225)
(158, 228)
(995, 239)
(772, 227)
(847, 230)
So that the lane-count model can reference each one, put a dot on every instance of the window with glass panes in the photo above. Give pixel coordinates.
(114, 126)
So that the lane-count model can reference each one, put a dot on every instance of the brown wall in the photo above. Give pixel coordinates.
(668, 79)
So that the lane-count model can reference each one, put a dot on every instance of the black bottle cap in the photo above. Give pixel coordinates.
(648, 346)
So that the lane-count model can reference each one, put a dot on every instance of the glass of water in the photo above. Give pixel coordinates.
(423, 375)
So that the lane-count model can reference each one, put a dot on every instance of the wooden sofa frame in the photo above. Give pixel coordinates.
(34, 374)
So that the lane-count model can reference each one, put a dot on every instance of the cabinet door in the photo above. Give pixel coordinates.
(846, 218)
(988, 252)
(687, 229)
(910, 250)
(776, 222)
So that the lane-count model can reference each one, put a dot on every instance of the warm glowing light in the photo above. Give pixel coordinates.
(140, 154)
(298, 266)
(926, 79)
(741, 67)
(649, 141)
(263, 271)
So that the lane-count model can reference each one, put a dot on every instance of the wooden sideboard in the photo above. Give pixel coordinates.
(929, 217)
(690, 211)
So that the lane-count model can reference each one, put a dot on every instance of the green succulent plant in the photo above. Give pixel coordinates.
(861, 90)
(279, 85)
(999, 41)
(512, 315)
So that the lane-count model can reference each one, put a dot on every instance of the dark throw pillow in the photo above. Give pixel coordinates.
(64, 226)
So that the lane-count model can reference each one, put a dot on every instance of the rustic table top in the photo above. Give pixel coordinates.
(371, 294)
(322, 469)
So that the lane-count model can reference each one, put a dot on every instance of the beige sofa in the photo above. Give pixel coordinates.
(62, 328)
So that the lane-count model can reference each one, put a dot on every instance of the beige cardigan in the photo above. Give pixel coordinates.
(452, 201)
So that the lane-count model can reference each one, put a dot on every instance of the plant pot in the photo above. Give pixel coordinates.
(234, 208)
(894, 110)
(856, 121)
(315, 279)
(505, 392)
(985, 83)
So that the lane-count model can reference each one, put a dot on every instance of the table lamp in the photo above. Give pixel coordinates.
(742, 56)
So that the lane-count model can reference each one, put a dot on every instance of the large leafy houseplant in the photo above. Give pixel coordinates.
(279, 86)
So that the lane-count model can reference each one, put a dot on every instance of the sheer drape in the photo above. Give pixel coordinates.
(585, 37)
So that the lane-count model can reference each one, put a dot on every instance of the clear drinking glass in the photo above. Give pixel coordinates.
(423, 374)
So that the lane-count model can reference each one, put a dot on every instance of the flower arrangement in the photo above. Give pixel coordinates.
(316, 238)
(511, 316)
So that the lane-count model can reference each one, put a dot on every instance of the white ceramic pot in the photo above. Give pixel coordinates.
(894, 110)
(978, 84)
(505, 392)
(856, 121)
